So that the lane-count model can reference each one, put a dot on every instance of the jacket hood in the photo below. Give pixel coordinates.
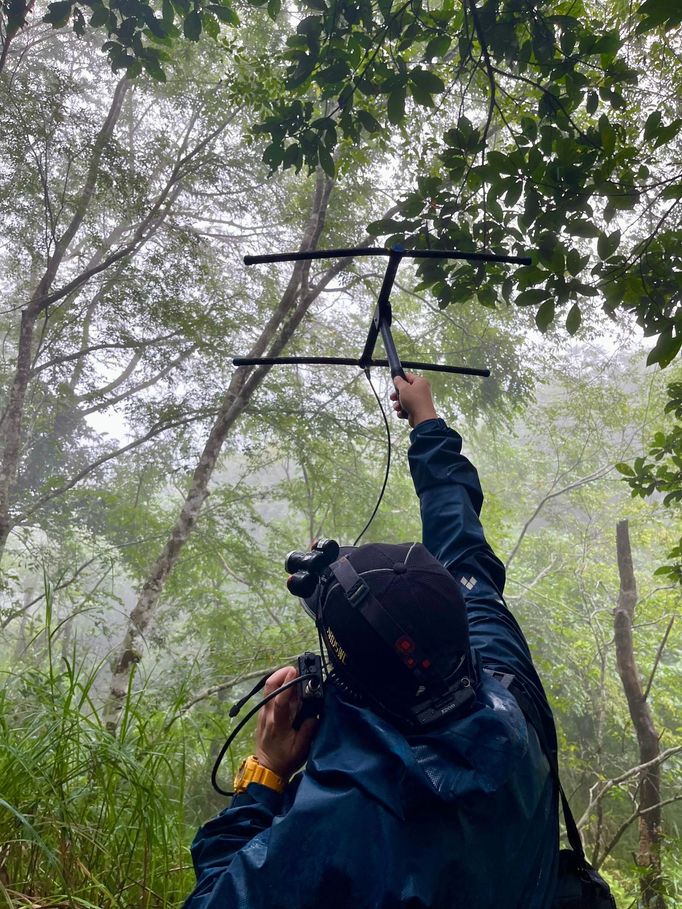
(469, 757)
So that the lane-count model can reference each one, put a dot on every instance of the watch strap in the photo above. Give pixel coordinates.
(251, 771)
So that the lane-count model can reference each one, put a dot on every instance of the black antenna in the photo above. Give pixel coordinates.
(381, 320)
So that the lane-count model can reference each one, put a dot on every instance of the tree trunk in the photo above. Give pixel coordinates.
(12, 420)
(649, 858)
(293, 305)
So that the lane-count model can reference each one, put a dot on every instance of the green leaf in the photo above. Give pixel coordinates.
(153, 67)
(651, 125)
(607, 134)
(370, 123)
(573, 319)
(664, 571)
(210, 25)
(625, 469)
(274, 7)
(665, 350)
(437, 47)
(666, 133)
(383, 227)
(311, 25)
(427, 81)
(531, 297)
(501, 162)
(305, 64)
(622, 198)
(273, 155)
(529, 128)
(192, 26)
(579, 227)
(607, 44)
(337, 72)
(545, 315)
(672, 192)
(574, 262)
(396, 106)
(421, 96)
(326, 161)
(224, 13)
(607, 244)
(58, 13)
(513, 194)
(659, 12)
(487, 297)
(100, 16)
(293, 156)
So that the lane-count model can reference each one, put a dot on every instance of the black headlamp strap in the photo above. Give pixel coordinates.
(359, 595)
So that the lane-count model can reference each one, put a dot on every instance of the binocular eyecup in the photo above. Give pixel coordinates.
(324, 552)
(302, 583)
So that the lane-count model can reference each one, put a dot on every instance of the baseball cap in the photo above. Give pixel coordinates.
(394, 625)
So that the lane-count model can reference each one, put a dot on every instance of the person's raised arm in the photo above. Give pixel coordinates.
(449, 491)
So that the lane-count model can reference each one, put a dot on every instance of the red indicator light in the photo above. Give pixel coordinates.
(404, 645)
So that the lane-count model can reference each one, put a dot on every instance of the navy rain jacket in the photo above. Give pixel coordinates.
(464, 816)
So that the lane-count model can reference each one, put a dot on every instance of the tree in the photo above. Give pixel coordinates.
(99, 217)
(660, 472)
(532, 136)
(648, 737)
(292, 307)
(552, 501)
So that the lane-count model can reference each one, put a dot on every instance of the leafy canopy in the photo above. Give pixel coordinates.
(531, 125)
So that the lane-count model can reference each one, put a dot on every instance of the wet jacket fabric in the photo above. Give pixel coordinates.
(463, 816)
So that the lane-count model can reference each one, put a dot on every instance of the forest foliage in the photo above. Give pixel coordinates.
(149, 490)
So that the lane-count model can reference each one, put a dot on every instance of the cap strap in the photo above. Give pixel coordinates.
(360, 596)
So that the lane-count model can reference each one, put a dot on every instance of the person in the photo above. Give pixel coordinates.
(426, 785)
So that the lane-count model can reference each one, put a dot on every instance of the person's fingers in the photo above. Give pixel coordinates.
(278, 709)
(278, 678)
(409, 379)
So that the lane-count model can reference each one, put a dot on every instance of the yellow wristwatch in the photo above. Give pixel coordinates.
(253, 772)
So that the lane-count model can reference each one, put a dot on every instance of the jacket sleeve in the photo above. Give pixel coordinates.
(222, 838)
(301, 851)
(450, 499)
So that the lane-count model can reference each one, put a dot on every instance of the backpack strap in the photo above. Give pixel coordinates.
(530, 712)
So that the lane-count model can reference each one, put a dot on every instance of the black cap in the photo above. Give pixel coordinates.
(395, 627)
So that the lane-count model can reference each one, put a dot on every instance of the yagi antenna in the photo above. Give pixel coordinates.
(381, 320)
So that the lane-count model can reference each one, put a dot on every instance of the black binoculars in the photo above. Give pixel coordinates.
(305, 568)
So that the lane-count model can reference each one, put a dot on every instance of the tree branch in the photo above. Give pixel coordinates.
(624, 777)
(19, 612)
(230, 683)
(583, 481)
(598, 861)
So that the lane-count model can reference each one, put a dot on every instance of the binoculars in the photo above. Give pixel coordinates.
(305, 568)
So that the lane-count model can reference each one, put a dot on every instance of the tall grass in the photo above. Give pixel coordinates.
(87, 818)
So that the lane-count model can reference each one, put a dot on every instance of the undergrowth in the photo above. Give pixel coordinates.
(87, 818)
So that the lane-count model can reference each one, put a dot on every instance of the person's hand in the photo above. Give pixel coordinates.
(279, 747)
(412, 399)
